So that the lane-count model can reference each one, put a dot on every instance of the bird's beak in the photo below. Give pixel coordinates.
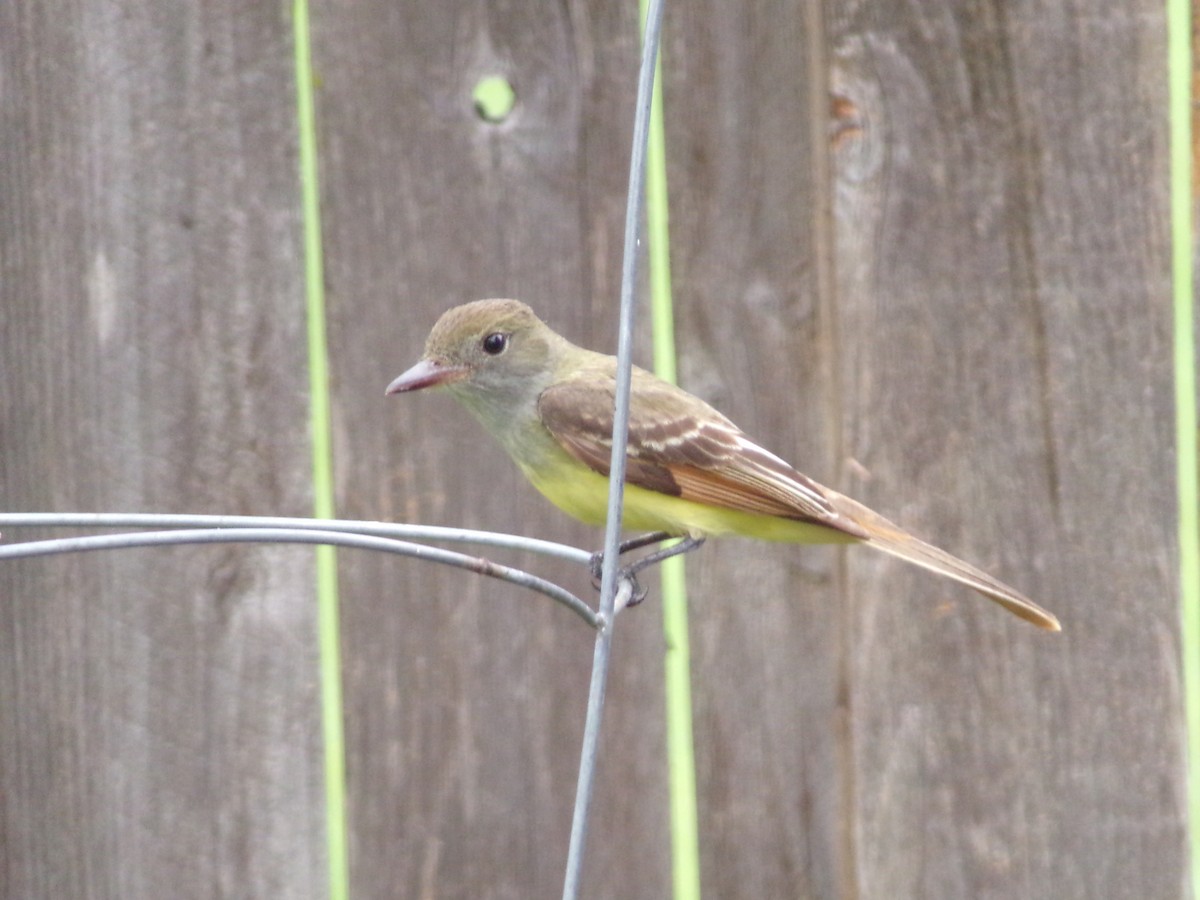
(426, 373)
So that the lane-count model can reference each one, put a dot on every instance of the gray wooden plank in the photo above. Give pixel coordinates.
(745, 135)
(159, 734)
(465, 701)
(1004, 318)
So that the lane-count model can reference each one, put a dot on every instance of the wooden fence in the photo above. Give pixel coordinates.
(920, 249)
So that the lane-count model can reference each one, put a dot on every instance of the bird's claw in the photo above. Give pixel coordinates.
(637, 593)
(596, 568)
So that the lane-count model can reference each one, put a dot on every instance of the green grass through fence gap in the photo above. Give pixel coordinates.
(681, 765)
(1179, 31)
(326, 560)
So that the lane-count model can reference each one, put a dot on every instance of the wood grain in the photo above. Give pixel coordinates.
(465, 702)
(749, 261)
(1003, 298)
(159, 733)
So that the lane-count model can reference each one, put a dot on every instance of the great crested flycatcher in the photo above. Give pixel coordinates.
(690, 471)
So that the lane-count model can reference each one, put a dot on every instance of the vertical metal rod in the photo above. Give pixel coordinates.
(612, 534)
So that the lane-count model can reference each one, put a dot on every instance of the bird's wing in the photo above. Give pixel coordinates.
(681, 446)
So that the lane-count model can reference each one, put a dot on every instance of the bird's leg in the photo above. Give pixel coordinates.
(689, 543)
(634, 543)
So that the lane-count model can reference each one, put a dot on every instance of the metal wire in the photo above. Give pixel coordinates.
(348, 526)
(608, 578)
(303, 536)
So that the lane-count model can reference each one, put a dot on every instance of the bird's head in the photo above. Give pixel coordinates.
(494, 349)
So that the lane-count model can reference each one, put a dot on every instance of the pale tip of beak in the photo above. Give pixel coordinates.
(426, 373)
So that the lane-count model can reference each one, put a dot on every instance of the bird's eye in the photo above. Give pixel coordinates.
(494, 344)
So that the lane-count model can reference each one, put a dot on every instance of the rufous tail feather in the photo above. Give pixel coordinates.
(894, 540)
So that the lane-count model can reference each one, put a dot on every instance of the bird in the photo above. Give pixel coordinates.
(690, 471)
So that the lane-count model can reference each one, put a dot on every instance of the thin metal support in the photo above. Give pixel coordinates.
(608, 578)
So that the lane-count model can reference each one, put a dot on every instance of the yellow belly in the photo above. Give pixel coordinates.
(582, 493)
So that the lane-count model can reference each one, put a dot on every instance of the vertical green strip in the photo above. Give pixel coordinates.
(1179, 29)
(318, 368)
(681, 763)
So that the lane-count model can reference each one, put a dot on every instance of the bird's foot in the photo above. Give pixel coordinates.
(630, 571)
(596, 565)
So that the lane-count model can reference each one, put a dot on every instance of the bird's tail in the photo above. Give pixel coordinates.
(892, 539)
